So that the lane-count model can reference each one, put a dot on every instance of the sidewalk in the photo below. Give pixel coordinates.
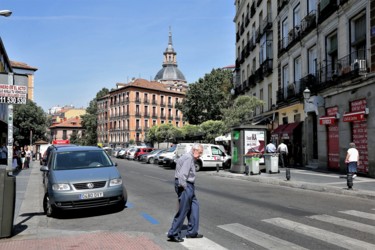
(310, 179)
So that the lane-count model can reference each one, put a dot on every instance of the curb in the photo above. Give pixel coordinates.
(302, 185)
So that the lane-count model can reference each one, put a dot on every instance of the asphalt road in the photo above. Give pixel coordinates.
(234, 214)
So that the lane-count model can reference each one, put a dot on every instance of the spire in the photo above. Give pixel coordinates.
(170, 46)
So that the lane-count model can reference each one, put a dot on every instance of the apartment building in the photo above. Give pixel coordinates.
(128, 112)
(324, 74)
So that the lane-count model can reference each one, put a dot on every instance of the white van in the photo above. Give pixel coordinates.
(212, 156)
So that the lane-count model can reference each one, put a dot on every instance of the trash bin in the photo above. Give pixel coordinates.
(272, 163)
(7, 202)
(252, 162)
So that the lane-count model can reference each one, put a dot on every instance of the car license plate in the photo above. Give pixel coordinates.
(90, 195)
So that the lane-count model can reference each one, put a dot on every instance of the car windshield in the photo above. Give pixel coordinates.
(81, 159)
(171, 149)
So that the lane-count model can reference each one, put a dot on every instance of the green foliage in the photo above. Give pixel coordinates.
(241, 111)
(26, 118)
(212, 129)
(206, 98)
(89, 120)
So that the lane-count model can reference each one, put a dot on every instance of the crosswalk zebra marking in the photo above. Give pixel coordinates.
(345, 223)
(320, 234)
(202, 243)
(359, 214)
(264, 240)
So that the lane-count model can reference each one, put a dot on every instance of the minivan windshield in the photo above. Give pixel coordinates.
(81, 159)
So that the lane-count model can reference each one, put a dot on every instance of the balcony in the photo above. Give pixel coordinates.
(267, 23)
(146, 115)
(247, 20)
(170, 117)
(252, 10)
(162, 116)
(251, 81)
(162, 104)
(308, 23)
(259, 75)
(146, 101)
(138, 128)
(154, 102)
(154, 116)
(137, 114)
(294, 36)
(267, 67)
(258, 35)
(326, 9)
(281, 4)
(242, 29)
(170, 104)
(137, 100)
(246, 85)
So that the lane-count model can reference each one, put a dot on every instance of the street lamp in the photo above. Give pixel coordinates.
(5, 13)
(306, 94)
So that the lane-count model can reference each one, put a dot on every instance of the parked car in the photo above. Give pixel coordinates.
(115, 152)
(155, 159)
(150, 157)
(81, 177)
(169, 153)
(130, 153)
(121, 153)
(141, 151)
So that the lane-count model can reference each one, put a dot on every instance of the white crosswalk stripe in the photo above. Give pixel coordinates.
(262, 239)
(345, 223)
(202, 243)
(320, 234)
(359, 214)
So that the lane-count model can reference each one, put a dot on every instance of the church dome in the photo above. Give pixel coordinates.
(170, 73)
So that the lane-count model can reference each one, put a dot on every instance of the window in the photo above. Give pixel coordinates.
(332, 55)
(358, 35)
(297, 72)
(64, 137)
(285, 33)
(285, 78)
(297, 16)
(311, 6)
(312, 61)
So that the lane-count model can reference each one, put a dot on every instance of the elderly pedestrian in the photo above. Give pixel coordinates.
(187, 201)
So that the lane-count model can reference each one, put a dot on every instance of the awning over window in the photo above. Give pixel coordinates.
(288, 130)
(355, 116)
(327, 120)
(278, 131)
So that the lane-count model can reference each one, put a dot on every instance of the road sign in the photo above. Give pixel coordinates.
(13, 94)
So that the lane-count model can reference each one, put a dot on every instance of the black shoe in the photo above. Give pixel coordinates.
(194, 236)
(175, 239)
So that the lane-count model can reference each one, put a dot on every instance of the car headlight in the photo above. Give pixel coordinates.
(115, 182)
(61, 187)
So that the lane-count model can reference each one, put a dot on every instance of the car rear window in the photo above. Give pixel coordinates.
(81, 159)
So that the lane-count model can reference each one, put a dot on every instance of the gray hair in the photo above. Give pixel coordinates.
(352, 145)
(196, 146)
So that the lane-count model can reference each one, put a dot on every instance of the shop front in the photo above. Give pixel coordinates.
(357, 116)
(330, 120)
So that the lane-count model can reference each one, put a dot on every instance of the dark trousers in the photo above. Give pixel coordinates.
(188, 207)
(284, 160)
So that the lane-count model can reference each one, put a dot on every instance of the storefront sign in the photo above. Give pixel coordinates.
(333, 138)
(354, 116)
(327, 120)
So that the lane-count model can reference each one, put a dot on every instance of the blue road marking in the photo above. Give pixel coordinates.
(129, 205)
(150, 219)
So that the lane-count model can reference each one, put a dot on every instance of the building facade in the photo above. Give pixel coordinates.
(321, 48)
(127, 113)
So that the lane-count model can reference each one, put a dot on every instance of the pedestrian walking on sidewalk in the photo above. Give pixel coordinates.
(187, 201)
(282, 149)
(28, 157)
(270, 148)
(23, 157)
(352, 159)
(3, 155)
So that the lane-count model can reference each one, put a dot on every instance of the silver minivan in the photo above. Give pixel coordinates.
(81, 177)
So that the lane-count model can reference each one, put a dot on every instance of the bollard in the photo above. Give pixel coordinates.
(287, 173)
(349, 180)
(247, 170)
(217, 168)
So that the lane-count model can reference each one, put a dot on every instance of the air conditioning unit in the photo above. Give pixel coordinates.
(360, 65)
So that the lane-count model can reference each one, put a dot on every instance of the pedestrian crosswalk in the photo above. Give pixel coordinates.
(342, 237)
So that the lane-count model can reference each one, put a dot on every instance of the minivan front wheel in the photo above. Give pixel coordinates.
(48, 208)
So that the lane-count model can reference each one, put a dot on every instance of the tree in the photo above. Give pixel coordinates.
(206, 98)
(241, 112)
(212, 129)
(89, 120)
(167, 132)
(29, 119)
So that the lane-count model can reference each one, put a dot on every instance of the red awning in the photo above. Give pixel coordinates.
(288, 131)
(327, 120)
(355, 116)
(279, 130)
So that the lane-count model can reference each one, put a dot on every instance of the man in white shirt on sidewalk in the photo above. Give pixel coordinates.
(282, 149)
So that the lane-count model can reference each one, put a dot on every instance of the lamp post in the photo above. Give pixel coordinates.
(306, 97)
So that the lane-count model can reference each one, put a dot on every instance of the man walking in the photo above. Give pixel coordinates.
(352, 159)
(188, 203)
(282, 149)
(270, 148)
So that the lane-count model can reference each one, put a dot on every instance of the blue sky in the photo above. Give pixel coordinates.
(81, 46)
